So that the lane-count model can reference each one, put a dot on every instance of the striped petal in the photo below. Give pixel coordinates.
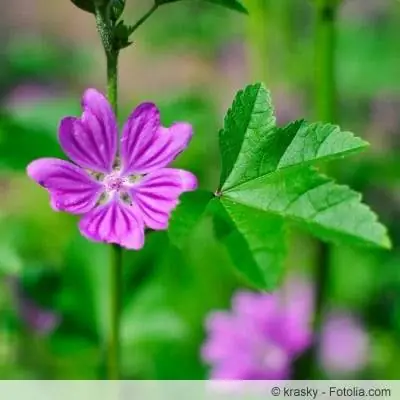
(114, 222)
(71, 188)
(157, 194)
(91, 141)
(146, 146)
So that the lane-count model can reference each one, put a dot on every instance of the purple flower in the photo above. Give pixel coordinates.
(261, 336)
(26, 94)
(35, 317)
(118, 190)
(344, 345)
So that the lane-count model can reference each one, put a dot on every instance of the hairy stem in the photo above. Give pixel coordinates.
(113, 365)
(105, 29)
(112, 80)
(116, 256)
(325, 109)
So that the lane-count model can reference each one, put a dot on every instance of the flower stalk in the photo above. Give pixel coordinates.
(104, 27)
(325, 52)
(109, 32)
(325, 110)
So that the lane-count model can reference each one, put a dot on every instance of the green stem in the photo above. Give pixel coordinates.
(116, 256)
(258, 39)
(325, 52)
(325, 102)
(113, 365)
(105, 27)
(112, 80)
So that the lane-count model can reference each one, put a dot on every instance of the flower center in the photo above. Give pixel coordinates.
(114, 182)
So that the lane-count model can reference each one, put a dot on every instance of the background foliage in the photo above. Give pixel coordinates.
(190, 58)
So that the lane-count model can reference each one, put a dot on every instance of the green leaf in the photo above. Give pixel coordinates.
(251, 145)
(302, 195)
(118, 7)
(85, 5)
(186, 216)
(73, 356)
(269, 178)
(254, 239)
(85, 280)
(251, 116)
(231, 4)
(20, 144)
(29, 131)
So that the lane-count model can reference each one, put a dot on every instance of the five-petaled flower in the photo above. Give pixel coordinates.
(118, 190)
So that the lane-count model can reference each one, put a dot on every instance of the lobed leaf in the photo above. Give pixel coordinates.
(246, 125)
(251, 144)
(254, 239)
(268, 179)
(302, 195)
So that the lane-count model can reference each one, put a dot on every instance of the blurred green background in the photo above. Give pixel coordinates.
(190, 58)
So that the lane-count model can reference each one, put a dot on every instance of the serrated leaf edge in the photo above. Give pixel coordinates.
(259, 86)
(385, 243)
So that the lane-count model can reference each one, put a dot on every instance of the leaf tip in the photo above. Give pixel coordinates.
(386, 242)
(244, 10)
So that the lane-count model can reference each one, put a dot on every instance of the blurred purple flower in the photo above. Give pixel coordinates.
(262, 335)
(385, 119)
(27, 94)
(36, 318)
(344, 345)
(288, 104)
(116, 194)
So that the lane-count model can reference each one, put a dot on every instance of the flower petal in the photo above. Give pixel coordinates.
(91, 141)
(116, 223)
(166, 145)
(158, 193)
(138, 133)
(147, 146)
(71, 189)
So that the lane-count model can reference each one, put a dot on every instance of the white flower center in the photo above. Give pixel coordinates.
(114, 182)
